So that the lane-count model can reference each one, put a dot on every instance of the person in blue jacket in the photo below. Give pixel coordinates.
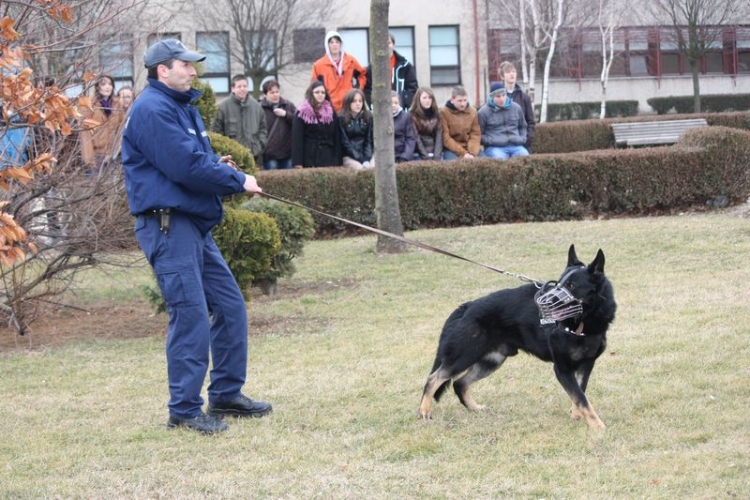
(174, 182)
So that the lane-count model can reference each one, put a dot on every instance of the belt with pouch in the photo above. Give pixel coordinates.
(164, 216)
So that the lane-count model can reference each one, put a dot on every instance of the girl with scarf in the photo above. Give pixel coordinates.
(427, 126)
(101, 135)
(316, 136)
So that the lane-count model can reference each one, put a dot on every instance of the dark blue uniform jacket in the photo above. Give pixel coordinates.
(168, 159)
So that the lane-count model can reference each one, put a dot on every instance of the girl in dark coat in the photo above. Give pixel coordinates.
(404, 137)
(316, 137)
(356, 131)
(427, 126)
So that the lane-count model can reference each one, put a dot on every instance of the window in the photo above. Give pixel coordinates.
(445, 68)
(404, 42)
(670, 55)
(356, 43)
(155, 37)
(215, 46)
(262, 50)
(742, 37)
(308, 44)
(116, 60)
(505, 45)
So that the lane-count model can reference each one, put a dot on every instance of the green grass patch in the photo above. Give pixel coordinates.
(344, 350)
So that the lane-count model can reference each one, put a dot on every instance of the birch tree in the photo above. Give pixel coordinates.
(609, 16)
(558, 10)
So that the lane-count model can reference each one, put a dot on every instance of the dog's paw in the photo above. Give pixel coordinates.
(424, 416)
(575, 414)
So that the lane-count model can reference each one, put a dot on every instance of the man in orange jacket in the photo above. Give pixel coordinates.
(339, 72)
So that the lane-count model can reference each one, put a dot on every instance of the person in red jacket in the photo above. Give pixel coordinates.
(338, 71)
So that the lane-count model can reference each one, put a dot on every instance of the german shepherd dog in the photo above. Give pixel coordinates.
(564, 322)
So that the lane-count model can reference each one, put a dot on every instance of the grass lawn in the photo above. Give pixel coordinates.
(343, 352)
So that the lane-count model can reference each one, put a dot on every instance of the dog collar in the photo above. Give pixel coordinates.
(577, 332)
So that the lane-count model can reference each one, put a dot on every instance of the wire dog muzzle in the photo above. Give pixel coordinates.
(556, 303)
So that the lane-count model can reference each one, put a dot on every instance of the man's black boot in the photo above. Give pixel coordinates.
(241, 406)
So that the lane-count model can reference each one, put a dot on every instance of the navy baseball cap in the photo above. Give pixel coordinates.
(164, 50)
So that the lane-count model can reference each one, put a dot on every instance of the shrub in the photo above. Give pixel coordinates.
(249, 242)
(241, 155)
(707, 164)
(715, 103)
(295, 225)
(206, 103)
(587, 110)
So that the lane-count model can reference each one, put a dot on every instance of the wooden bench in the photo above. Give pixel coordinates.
(652, 133)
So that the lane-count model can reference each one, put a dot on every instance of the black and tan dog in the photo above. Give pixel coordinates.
(565, 323)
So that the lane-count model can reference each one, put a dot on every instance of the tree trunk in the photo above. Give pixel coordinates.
(694, 69)
(386, 191)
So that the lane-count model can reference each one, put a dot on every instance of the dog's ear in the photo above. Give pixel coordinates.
(573, 258)
(597, 265)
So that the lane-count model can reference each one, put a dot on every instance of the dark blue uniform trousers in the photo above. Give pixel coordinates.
(206, 312)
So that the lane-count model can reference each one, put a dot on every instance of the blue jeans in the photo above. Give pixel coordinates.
(207, 313)
(504, 152)
(449, 155)
(284, 164)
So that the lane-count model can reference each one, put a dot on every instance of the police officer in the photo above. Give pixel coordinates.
(174, 183)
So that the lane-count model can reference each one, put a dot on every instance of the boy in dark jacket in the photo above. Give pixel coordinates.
(403, 76)
(508, 75)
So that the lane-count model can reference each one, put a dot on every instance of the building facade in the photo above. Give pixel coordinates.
(456, 42)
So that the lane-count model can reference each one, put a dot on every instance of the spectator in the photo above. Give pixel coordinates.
(15, 136)
(403, 76)
(122, 104)
(426, 119)
(461, 133)
(404, 138)
(503, 125)
(241, 118)
(279, 117)
(316, 136)
(15, 139)
(100, 137)
(356, 131)
(508, 75)
(125, 97)
(338, 71)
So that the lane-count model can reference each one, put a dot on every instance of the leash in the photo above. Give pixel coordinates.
(415, 243)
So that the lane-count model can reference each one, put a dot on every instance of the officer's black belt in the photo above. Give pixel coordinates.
(164, 216)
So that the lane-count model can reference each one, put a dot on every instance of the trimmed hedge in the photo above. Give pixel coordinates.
(587, 135)
(708, 163)
(587, 110)
(714, 103)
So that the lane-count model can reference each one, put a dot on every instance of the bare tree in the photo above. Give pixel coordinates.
(696, 29)
(555, 15)
(386, 191)
(62, 216)
(609, 15)
(264, 32)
